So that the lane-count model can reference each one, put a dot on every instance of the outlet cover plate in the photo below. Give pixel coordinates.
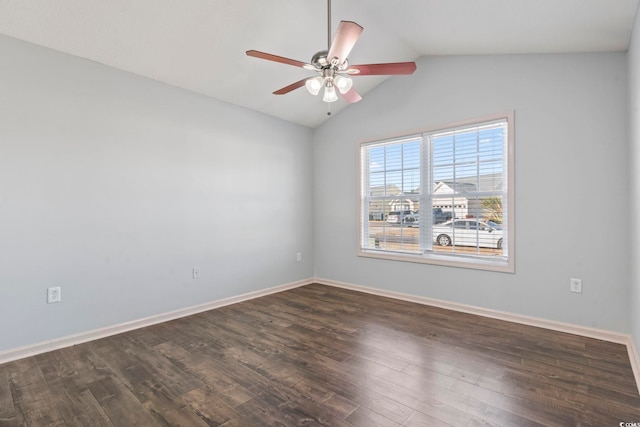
(54, 294)
(575, 285)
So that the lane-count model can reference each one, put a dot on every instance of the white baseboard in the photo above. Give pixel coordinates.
(70, 340)
(494, 314)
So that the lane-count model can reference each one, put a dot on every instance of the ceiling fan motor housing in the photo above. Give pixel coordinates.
(319, 59)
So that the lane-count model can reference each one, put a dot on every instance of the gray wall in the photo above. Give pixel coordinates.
(572, 178)
(634, 108)
(114, 186)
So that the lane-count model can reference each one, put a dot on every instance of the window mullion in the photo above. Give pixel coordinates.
(365, 195)
(426, 198)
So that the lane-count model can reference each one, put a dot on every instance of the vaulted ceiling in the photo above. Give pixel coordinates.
(200, 45)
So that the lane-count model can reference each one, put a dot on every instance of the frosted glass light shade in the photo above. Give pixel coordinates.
(343, 84)
(314, 85)
(330, 94)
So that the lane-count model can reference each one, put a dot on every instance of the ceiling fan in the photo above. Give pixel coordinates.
(332, 67)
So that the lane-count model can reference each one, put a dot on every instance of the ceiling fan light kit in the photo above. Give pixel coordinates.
(314, 85)
(329, 93)
(344, 84)
(332, 67)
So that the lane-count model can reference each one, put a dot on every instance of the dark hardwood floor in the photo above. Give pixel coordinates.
(318, 355)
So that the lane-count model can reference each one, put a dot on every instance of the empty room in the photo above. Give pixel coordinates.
(319, 213)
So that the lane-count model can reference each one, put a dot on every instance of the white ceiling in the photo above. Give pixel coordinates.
(200, 45)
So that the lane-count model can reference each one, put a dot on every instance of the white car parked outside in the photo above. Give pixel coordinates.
(467, 232)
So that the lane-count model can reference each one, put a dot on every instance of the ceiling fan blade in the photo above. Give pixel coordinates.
(351, 96)
(391, 68)
(346, 37)
(275, 58)
(292, 86)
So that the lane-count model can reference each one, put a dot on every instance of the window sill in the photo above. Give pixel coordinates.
(497, 265)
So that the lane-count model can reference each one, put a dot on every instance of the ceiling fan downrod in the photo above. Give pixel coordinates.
(328, 25)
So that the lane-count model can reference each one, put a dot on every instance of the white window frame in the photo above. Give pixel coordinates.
(427, 255)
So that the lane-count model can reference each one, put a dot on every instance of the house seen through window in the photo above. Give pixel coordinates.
(442, 196)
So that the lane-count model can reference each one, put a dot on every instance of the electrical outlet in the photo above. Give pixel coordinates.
(196, 272)
(54, 294)
(575, 285)
(299, 256)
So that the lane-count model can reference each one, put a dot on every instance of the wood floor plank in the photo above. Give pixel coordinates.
(92, 414)
(210, 406)
(367, 418)
(419, 419)
(9, 414)
(325, 356)
(119, 403)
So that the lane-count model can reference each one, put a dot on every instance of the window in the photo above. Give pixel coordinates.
(442, 196)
